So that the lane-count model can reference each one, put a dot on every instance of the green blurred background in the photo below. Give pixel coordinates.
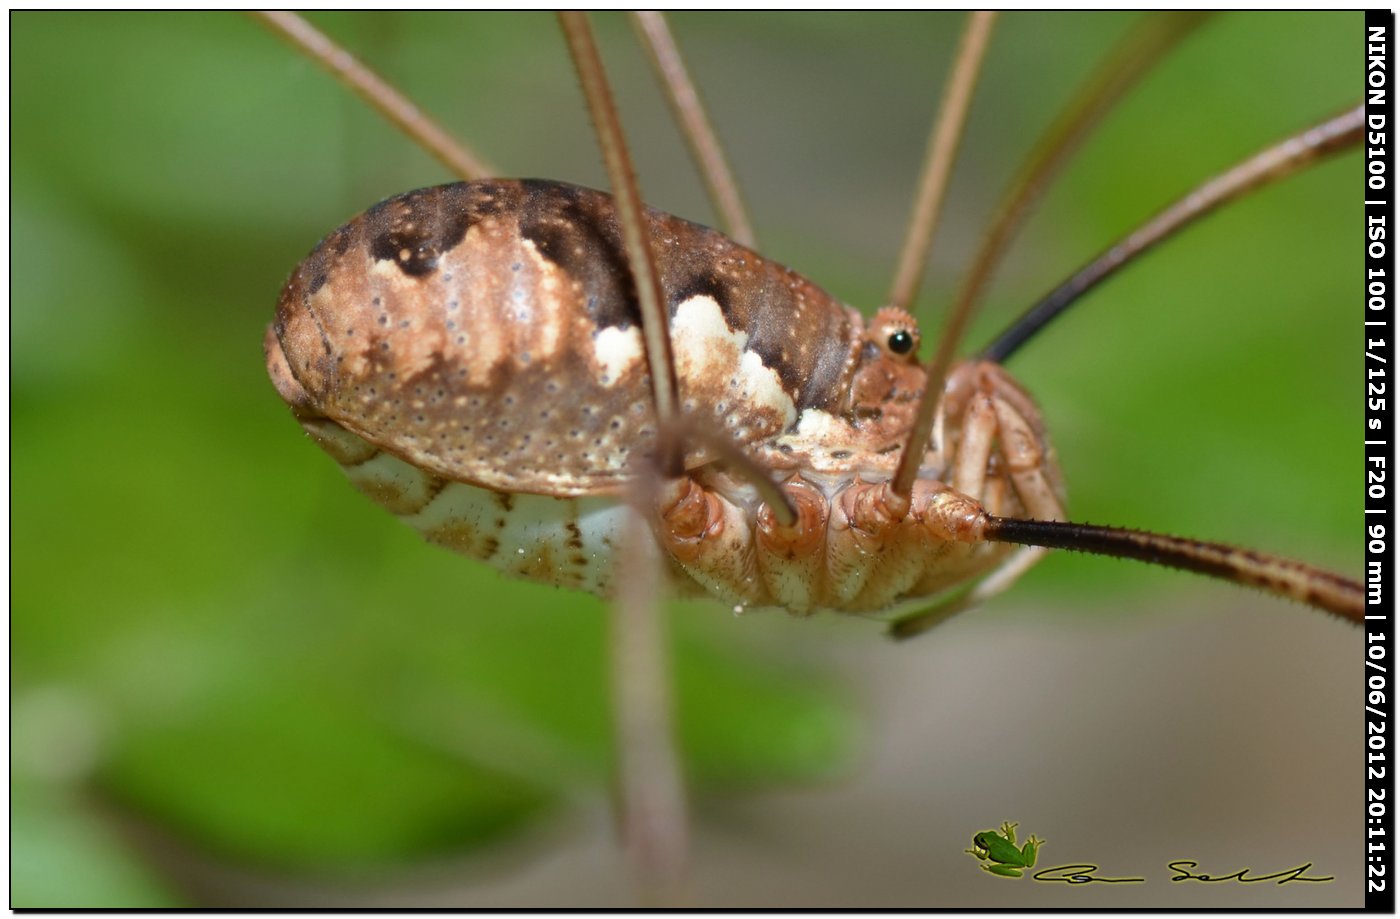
(236, 682)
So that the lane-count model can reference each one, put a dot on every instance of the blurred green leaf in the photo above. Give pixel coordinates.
(62, 856)
(275, 777)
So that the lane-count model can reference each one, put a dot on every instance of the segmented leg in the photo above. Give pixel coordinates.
(997, 412)
(792, 558)
(999, 580)
(710, 538)
(850, 546)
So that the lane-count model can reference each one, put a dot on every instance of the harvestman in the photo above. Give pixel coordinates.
(490, 361)
(503, 363)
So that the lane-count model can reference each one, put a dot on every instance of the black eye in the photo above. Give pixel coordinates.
(901, 342)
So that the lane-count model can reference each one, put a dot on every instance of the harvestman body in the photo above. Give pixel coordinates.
(474, 356)
(460, 349)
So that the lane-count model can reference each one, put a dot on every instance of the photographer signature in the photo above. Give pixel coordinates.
(1184, 871)
(1000, 855)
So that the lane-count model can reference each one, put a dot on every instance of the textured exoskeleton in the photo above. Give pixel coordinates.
(472, 355)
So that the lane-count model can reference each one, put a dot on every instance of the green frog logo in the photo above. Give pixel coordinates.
(999, 852)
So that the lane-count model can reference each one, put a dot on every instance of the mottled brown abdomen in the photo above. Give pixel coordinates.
(489, 333)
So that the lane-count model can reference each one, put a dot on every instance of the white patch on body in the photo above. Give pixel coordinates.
(706, 349)
(698, 319)
(615, 350)
(818, 426)
(762, 385)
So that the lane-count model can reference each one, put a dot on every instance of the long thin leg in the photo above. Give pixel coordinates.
(649, 778)
(1131, 60)
(1275, 162)
(695, 125)
(939, 157)
(380, 96)
(1279, 576)
(1107, 85)
(650, 788)
(655, 321)
(997, 582)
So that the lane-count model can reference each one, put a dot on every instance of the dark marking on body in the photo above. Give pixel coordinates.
(576, 229)
(415, 229)
(774, 344)
(318, 280)
(352, 464)
(434, 487)
(340, 241)
(705, 284)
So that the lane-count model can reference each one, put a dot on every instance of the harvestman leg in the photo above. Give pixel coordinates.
(991, 418)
